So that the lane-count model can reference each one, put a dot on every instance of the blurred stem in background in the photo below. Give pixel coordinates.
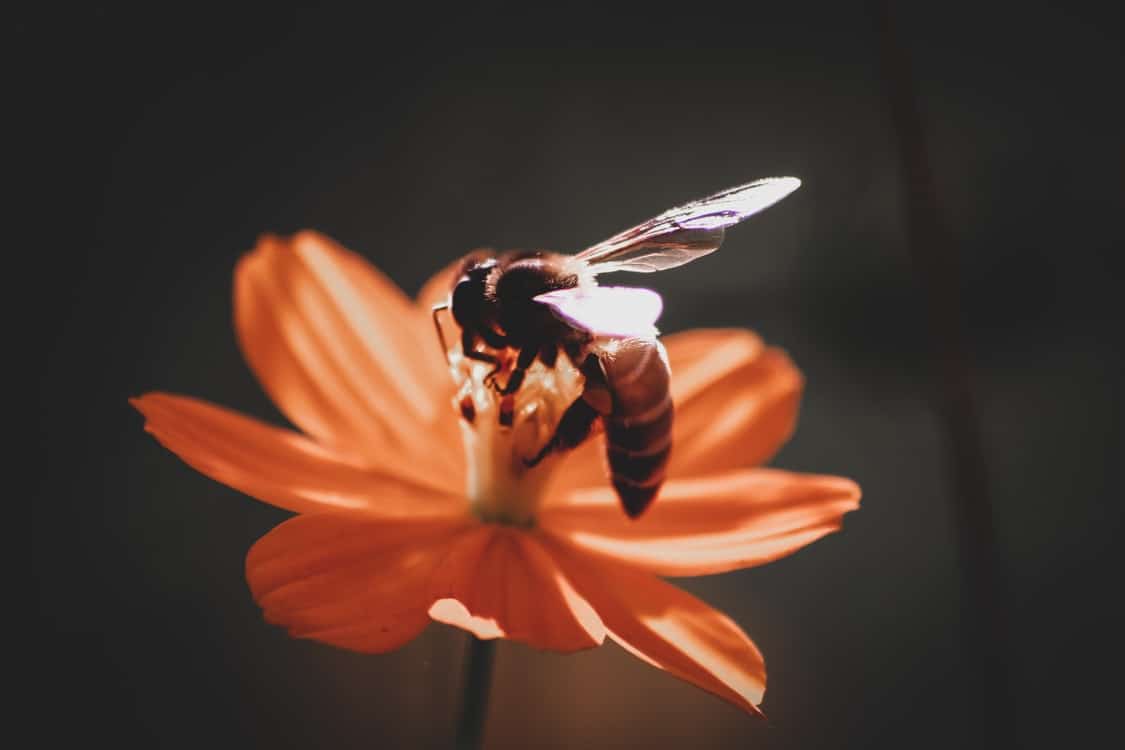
(983, 603)
(479, 655)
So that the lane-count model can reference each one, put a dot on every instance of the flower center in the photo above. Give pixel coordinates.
(502, 434)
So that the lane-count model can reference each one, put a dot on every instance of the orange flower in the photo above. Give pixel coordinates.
(407, 512)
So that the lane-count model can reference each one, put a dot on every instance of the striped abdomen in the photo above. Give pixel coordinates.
(639, 425)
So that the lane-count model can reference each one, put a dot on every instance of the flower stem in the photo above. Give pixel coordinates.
(474, 693)
(985, 614)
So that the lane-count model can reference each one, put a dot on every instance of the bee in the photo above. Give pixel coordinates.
(532, 305)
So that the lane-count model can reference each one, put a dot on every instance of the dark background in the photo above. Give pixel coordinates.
(153, 147)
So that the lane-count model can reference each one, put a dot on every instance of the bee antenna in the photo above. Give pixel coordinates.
(440, 332)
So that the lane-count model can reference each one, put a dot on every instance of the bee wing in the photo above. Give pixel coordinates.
(617, 311)
(682, 234)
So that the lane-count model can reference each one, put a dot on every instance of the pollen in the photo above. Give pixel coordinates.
(502, 433)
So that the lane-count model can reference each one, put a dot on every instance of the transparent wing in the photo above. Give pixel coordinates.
(682, 234)
(618, 311)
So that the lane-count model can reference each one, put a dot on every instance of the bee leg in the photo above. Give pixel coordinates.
(574, 427)
(524, 361)
(490, 378)
(482, 357)
(494, 338)
(579, 418)
(549, 355)
(468, 349)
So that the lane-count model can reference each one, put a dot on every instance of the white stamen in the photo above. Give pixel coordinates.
(501, 487)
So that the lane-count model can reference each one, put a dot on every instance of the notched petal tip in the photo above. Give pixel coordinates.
(848, 488)
(668, 628)
(144, 401)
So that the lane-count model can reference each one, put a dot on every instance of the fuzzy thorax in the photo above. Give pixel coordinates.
(501, 434)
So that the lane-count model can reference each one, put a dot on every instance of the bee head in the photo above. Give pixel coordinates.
(468, 299)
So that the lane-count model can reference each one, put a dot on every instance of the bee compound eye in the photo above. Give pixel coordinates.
(466, 300)
(457, 300)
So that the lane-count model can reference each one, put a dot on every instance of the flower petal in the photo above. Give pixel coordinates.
(359, 584)
(708, 525)
(704, 356)
(669, 628)
(340, 349)
(736, 401)
(736, 404)
(284, 468)
(436, 289)
(500, 582)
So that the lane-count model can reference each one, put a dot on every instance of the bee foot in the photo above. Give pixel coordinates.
(490, 381)
(468, 409)
(507, 411)
(535, 460)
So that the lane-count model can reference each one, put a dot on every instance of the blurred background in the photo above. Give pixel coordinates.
(160, 144)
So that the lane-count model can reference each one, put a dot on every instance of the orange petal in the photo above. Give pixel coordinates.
(499, 582)
(702, 357)
(436, 290)
(708, 525)
(669, 628)
(360, 584)
(585, 466)
(736, 401)
(736, 404)
(282, 467)
(341, 350)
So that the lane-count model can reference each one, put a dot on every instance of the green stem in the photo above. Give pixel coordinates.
(474, 693)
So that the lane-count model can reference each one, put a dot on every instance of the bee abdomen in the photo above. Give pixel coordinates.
(639, 427)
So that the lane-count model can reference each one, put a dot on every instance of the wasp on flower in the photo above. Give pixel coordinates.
(484, 500)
